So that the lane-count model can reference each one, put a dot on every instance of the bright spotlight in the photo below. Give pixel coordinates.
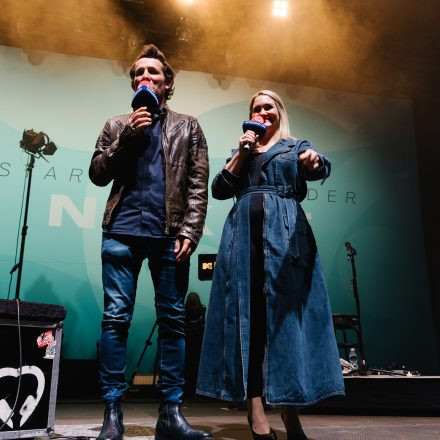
(280, 8)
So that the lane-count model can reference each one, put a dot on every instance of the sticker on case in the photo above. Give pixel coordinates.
(50, 350)
(45, 339)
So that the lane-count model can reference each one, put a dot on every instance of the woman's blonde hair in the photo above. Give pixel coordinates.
(283, 129)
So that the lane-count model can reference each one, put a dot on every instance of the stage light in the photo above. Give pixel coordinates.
(280, 8)
(49, 149)
(37, 144)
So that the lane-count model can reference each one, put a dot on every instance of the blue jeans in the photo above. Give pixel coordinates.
(122, 259)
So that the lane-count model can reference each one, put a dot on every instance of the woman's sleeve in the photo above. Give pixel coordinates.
(225, 185)
(325, 168)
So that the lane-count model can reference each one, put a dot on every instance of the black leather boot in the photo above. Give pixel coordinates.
(171, 425)
(112, 428)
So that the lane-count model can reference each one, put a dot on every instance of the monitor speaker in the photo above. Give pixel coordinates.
(30, 335)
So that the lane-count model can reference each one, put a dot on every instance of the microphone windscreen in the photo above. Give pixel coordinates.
(145, 97)
(256, 124)
(259, 118)
(145, 82)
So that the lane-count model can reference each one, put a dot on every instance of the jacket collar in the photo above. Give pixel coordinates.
(163, 111)
(281, 146)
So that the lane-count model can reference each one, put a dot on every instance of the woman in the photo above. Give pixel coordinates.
(269, 331)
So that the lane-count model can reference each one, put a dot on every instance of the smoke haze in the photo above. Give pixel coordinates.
(375, 46)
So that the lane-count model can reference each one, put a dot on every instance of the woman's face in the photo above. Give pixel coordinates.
(265, 106)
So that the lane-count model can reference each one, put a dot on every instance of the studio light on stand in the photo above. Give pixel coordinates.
(36, 327)
(36, 145)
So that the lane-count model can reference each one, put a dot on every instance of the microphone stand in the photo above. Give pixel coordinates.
(351, 252)
(147, 344)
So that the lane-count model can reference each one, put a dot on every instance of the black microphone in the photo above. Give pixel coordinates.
(256, 124)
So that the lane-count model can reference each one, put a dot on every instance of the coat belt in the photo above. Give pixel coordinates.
(281, 191)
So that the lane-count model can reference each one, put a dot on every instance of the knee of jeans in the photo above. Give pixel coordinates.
(121, 326)
(172, 311)
(171, 320)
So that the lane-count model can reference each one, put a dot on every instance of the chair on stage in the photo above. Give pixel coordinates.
(348, 324)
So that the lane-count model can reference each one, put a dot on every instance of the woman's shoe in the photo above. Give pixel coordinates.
(269, 436)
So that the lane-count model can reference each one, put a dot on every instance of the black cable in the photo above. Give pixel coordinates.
(73, 437)
(20, 368)
(18, 233)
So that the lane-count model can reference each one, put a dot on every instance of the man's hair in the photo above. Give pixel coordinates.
(151, 51)
(283, 130)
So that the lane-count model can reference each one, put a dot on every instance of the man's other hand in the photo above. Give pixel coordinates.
(183, 249)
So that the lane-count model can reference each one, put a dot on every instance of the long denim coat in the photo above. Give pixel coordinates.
(301, 364)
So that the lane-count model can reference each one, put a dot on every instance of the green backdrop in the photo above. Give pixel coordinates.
(370, 200)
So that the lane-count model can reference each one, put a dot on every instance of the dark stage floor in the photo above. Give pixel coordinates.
(83, 419)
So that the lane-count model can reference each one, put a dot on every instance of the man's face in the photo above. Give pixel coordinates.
(149, 71)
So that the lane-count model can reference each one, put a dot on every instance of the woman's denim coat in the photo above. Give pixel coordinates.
(301, 364)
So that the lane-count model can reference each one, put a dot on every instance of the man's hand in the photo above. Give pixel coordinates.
(140, 119)
(310, 159)
(183, 249)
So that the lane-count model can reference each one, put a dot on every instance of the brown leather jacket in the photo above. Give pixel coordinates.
(186, 169)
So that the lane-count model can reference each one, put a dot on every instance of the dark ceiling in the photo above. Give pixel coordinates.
(381, 47)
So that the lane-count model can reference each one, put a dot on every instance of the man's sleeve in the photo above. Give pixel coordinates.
(197, 195)
(110, 153)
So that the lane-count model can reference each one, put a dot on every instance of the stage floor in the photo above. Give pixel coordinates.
(83, 419)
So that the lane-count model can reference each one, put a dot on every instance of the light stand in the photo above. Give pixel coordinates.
(35, 145)
(29, 168)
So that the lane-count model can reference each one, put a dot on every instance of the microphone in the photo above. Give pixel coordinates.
(145, 97)
(256, 124)
(350, 248)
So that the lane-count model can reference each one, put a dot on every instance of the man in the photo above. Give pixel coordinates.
(158, 162)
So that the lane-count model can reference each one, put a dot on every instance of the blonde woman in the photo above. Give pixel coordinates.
(269, 332)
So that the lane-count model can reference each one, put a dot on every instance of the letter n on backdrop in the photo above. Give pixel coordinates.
(60, 203)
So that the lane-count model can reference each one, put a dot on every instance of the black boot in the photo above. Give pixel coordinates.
(173, 426)
(112, 428)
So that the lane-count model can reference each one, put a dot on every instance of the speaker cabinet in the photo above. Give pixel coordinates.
(29, 379)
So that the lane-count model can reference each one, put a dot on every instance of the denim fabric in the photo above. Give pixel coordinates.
(301, 362)
(122, 258)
